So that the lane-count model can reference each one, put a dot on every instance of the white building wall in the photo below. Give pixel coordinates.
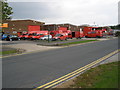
(119, 12)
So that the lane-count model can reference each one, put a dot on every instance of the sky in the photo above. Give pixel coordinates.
(77, 12)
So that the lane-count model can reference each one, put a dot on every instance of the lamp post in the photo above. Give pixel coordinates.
(48, 35)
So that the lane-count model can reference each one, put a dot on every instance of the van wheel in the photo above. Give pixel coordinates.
(66, 39)
(98, 37)
(24, 38)
(59, 39)
(10, 39)
(5, 39)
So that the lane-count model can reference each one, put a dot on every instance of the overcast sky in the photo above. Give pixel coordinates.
(102, 12)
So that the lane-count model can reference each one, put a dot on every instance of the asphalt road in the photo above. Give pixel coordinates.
(35, 69)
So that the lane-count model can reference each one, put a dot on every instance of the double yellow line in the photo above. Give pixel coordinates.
(74, 73)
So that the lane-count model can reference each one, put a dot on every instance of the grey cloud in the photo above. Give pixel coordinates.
(33, 10)
(76, 12)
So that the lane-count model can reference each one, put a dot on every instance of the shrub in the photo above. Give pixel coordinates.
(117, 34)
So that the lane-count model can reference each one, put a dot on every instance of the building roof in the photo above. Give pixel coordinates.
(28, 20)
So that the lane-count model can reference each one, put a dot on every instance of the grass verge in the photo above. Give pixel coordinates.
(8, 52)
(78, 42)
(103, 76)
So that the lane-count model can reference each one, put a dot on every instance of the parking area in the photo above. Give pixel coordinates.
(26, 46)
(39, 45)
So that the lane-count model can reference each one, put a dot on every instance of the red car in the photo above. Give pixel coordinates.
(60, 37)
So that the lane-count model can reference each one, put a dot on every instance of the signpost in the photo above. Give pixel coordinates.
(4, 25)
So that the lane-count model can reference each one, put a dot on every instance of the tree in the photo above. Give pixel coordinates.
(6, 10)
(116, 27)
(117, 34)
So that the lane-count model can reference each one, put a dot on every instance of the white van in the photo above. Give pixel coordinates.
(46, 37)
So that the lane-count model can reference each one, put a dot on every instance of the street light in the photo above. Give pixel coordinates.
(48, 35)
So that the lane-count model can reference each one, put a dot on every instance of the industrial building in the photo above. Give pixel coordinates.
(71, 27)
(19, 26)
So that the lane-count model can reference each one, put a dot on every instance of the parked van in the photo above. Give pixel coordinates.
(60, 37)
(46, 37)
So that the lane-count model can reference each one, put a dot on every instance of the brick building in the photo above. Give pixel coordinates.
(20, 26)
(15, 26)
(50, 27)
(71, 27)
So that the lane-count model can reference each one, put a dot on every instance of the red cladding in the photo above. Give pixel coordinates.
(32, 28)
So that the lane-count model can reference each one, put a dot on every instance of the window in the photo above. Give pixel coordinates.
(93, 32)
(99, 28)
(24, 31)
(51, 33)
(14, 32)
(41, 34)
(93, 28)
(57, 35)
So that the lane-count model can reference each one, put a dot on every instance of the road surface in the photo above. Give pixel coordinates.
(35, 69)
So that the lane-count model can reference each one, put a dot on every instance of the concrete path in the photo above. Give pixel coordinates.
(31, 47)
(114, 58)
